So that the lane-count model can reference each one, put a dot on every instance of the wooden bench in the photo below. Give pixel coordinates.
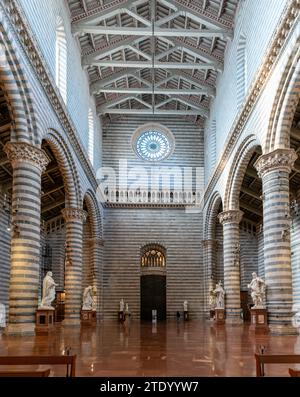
(262, 359)
(25, 374)
(294, 373)
(68, 360)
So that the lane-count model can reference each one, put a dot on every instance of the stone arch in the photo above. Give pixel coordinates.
(68, 168)
(211, 216)
(17, 91)
(285, 103)
(237, 171)
(94, 213)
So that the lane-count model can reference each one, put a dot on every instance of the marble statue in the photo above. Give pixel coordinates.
(257, 287)
(185, 306)
(212, 299)
(48, 292)
(2, 316)
(220, 295)
(122, 304)
(126, 308)
(94, 305)
(87, 299)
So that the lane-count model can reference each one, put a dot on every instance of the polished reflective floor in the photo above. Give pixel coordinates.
(194, 348)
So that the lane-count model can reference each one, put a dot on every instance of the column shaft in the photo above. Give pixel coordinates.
(274, 169)
(28, 162)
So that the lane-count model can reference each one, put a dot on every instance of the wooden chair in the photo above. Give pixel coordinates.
(25, 374)
(68, 360)
(294, 373)
(262, 359)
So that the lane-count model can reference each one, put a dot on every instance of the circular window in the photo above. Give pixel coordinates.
(153, 142)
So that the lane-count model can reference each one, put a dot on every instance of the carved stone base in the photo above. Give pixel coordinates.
(259, 323)
(220, 316)
(121, 316)
(186, 316)
(88, 317)
(44, 321)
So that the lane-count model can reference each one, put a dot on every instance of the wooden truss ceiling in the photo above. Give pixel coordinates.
(153, 56)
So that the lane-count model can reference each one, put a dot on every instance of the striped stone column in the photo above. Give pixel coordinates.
(274, 169)
(231, 235)
(210, 247)
(74, 218)
(96, 247)
(28, 163)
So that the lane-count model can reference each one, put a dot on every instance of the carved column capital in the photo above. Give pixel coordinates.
(70, 214)
(279, 159)
(22, 151)
(210, 242)
(230, 216)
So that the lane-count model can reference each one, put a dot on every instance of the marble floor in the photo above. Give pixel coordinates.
(195, 348)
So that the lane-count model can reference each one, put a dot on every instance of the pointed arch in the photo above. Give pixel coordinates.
(211, 216)
(94, 213)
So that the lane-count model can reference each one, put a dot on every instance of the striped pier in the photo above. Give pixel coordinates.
(274, 169)
(28, 163)
(231, 233)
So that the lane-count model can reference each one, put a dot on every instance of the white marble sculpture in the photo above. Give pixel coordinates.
(185, 306)
(212, 299)
(220, 296)
(257, 287)
(126, 308)
(48, 292)
(122, 304)
(94, 305)
(2, 316)
(87, 299)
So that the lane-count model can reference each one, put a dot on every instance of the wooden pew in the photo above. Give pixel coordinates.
(294, 373)
(68, 360)
(25, 374)
(262, 359)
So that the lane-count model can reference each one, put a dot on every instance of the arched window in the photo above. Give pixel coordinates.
(61, 59)
(241, 73)
(153, 255)
(91, 136)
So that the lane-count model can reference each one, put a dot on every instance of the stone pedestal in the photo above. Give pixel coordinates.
(212, 314)
(186, 316)
(220, 316)
(44, 321)
(88, 317)
(121, 316)
(259, 322)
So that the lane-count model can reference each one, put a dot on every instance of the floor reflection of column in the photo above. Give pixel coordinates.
(219, 350)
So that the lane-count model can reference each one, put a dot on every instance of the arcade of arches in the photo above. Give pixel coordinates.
(152, 253)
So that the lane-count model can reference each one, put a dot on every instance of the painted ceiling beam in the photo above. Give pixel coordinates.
(154, 65)
(149, 32)
(157, 91)
(150, 111)
(196, 15)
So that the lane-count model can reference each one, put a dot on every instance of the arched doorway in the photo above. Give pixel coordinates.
(153, 282)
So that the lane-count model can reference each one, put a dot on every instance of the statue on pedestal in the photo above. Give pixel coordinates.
(185, 306)
(122, 305)
(87, 298)
(48, 292)
(219, 293)
(258, 288)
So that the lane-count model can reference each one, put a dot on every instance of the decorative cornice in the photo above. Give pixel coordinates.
(70, 214)
(146, 205)
(287, 23)
(210, 242)
(230, 216)
(279, 159)
(24, 152)
(26, 39)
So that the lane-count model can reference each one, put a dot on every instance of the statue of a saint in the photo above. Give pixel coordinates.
(220, 295)
(48, 291)
(212, 299)
(122, 305)
(87, 299)
(258, 288)
(185, 306)
(2, 316)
